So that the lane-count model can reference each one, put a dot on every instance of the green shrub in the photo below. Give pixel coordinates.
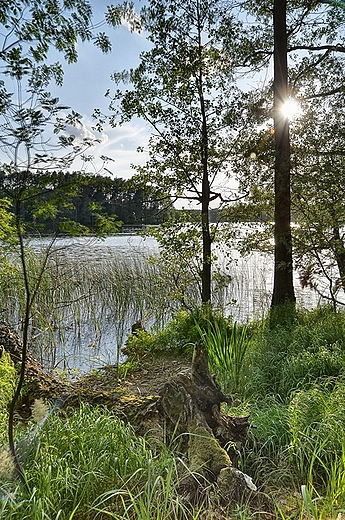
(177, 337)
(182, 331)
(7, 378)
(140, 345)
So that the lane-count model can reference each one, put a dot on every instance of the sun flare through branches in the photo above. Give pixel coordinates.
(291, 109)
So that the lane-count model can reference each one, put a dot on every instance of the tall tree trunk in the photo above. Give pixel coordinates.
(205, 189)
(205, 217)
(283, 289)
(206, 243)
(339, 253)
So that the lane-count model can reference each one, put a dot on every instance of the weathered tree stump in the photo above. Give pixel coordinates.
(186, 413)
(191, 407)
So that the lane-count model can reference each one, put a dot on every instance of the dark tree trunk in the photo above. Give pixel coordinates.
(205, 189)
(206, 243)
(339, 253)
(205, 207)
(283, 290)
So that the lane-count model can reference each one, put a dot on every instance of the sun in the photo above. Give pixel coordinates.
(291, 109)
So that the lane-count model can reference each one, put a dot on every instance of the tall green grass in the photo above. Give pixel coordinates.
(295, 384)
(226, 345)
(88, 465)
(283, 359)
(78, 298)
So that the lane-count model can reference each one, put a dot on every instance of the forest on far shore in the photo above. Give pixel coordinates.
(88, 196)
(91, 195)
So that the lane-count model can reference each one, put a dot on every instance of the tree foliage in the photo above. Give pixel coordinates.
(184, 88)
(37, 134)
(89, 200)
(32, 27)
(319, 193)
(316, 63)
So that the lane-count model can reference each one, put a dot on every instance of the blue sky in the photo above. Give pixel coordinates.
(86, 82)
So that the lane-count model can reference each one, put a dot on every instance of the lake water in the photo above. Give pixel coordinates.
(99, 340)
(98, 337)
(96, 249)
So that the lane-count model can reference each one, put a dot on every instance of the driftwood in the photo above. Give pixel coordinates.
(186, 413)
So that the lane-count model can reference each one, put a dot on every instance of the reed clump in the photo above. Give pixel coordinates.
(80, 301)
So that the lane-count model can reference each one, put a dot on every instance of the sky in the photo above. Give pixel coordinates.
(84, 87)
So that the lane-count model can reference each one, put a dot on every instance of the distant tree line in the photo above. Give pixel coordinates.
(89, 197)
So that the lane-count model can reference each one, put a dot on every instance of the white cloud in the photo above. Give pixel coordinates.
(80, 131)
(119, 144)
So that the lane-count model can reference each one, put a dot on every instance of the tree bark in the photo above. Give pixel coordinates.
(205, 188)
(283, 289)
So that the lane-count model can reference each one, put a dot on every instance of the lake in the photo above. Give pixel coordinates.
(95, 337)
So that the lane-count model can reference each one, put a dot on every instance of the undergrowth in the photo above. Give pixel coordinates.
(88, 464)
(289, 374)
(290, 379)
(295, 383)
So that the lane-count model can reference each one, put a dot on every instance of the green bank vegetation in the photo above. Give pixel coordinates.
(286, 371)
(290, 379)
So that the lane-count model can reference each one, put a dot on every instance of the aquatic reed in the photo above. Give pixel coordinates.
(226, 345)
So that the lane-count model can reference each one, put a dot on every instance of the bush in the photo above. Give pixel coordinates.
(176, 338)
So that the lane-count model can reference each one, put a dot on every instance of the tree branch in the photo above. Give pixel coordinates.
(336, 48)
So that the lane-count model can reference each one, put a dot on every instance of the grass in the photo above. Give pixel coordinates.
(289, 375)
(295, 383)
(89, 464)
(226, 345)
(284, 359)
